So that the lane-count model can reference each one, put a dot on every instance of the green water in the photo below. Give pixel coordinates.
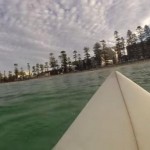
(35, 114)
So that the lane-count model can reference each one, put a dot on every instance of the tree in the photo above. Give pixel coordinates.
(34, 70)
(123, 45)
(1, 77)
(10, 76)
(4, 74)
(69, 63)
(86, 52)
(52, 61)
(147, 32)
(103, 43)
(118, 45)
(37, 69)
(28, 66)
(133, 52)
(97, 52)
(79, 62)
(87, 57)
(140, 32)
(79, 57)
(46, 66)
(63, 58)
(41, 68)
(75, 55)
(22, 73)
(16, 71)
(129, 37)
(5, 77)
(134, 38)
(147, 39)
(104, 53)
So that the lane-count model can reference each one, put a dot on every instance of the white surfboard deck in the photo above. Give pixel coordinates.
(116, 118)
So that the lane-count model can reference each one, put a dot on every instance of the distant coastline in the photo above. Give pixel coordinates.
(92, 69)
(135, 49)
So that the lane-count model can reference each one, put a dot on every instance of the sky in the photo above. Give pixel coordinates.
(31, 29)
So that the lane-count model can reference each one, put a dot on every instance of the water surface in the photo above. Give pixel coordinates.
(34, 114)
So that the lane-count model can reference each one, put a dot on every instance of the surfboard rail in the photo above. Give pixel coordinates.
(117, 117)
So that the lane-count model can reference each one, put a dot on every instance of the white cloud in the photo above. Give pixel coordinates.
(146, 21)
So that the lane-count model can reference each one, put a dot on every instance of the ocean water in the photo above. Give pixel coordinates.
(34, 114)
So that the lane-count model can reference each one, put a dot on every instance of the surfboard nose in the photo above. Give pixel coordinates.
(117, 117)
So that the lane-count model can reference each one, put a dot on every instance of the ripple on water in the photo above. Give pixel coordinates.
(35, 114)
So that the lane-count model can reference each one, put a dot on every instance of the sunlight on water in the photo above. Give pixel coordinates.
(34, 114)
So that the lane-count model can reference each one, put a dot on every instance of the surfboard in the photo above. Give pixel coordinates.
(116, 118)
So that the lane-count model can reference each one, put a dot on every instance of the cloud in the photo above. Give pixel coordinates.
(30, 30)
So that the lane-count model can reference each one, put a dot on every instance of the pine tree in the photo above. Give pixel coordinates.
(97, 52)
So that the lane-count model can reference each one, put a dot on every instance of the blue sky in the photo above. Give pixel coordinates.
(31, 29)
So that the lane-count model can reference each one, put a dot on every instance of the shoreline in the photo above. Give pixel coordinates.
(93, 69)
(105, 67)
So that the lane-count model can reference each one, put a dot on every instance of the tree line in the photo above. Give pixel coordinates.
(135, 47)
